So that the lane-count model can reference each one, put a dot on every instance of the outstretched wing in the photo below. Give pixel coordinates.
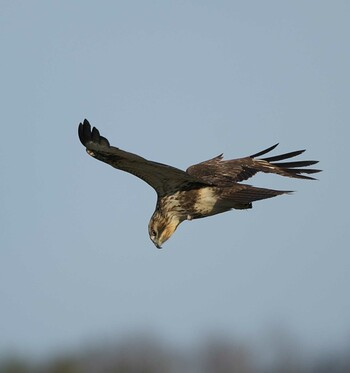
(219, 172)
(163, 178)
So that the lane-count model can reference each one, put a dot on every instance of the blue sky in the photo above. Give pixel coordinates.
(177, 82)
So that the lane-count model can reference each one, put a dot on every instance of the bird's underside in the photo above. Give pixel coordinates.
(204, 189)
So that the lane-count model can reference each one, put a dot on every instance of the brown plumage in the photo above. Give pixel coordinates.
(204, 189)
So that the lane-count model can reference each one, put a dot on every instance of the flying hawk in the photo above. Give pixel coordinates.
(207, 188)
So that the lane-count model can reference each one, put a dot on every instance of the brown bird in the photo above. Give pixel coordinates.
(204, 189)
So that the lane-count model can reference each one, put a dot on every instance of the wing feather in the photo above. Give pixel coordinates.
(163, 178)
(220, 172)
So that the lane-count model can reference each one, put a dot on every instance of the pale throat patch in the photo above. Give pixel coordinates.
(206, 200)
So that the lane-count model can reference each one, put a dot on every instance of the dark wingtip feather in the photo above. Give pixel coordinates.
(306, 170)
(284, 156)
(298, 173)
(306, 177)
(292, 169)
(87, 135)
(95, 135)
(104, 141)
(295, 164)
(264, 151)
(84, 132)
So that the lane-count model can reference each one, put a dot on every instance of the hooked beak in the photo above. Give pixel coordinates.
(156, 244)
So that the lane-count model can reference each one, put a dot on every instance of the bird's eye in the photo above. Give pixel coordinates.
(153, 233)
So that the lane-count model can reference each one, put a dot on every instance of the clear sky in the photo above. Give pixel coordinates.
(177, 82)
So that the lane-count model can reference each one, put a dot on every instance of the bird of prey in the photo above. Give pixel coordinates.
(204, 189)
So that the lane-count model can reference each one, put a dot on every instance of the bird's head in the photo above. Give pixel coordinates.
(161, 227)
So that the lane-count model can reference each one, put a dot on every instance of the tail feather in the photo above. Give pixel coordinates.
(241, 195)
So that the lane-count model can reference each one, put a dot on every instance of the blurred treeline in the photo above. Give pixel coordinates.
(215, 355)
